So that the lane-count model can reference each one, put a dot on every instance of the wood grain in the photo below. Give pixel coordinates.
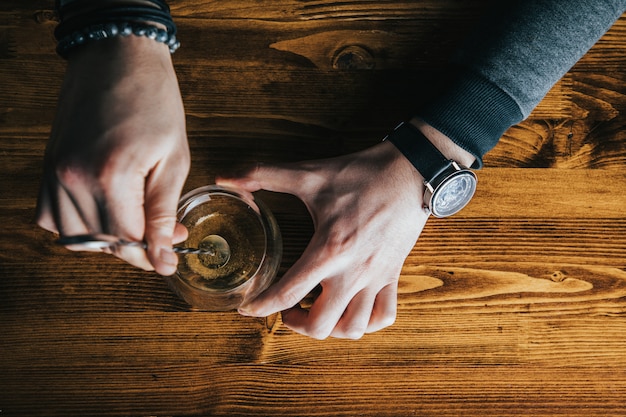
(515, 307)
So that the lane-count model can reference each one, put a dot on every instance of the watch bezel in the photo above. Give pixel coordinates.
(437, 184)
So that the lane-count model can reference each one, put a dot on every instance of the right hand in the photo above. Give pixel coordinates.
(367, 210)
(118, 156)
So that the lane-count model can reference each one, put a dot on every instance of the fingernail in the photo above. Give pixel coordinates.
(245, 310)
(168, 256)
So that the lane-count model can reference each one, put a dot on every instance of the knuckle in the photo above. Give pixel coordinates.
(318, 333)
(317, 330)
(288, 299)
(161, 223)
(69, 174)
(340, 249)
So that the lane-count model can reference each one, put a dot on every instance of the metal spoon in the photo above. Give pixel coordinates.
(102, 241)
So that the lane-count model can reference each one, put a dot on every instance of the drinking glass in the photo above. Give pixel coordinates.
(243, 244)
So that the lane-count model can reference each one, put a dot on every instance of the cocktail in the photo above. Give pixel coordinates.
(242, 248)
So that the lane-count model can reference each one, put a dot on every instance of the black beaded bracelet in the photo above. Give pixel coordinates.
(111, 30)
(83, 21)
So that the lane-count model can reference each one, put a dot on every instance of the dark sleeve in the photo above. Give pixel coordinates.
(519, 51)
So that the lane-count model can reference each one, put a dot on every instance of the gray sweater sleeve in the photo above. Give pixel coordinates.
(508, 65)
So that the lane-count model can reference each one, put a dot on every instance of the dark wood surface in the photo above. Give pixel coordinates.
(515, 307)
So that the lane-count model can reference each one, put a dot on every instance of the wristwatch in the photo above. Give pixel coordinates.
(449, 185)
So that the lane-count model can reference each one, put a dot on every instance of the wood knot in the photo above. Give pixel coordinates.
(45, 16)
(558, 276)
(353, 58)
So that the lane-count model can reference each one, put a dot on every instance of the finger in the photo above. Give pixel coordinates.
(322, 318)
(44, 216)
(180, 233)
(385, 308)
(295, 285)
(283, 178)
(135, 256)
(68, 216)
(163, 191)
(355, 320)
(124, 217)
(242, 178)
(62, 215)
(77, 196)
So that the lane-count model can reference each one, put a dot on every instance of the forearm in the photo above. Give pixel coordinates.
(509, 64)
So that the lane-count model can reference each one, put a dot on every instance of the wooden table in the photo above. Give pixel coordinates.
(515, 307)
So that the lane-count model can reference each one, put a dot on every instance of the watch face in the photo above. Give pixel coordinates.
(453, 193)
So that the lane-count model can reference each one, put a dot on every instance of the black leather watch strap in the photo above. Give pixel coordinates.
(420, 151)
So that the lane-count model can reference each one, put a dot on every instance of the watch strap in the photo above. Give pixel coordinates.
(420, 151)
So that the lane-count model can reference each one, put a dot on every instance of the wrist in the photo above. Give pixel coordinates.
(122, 52)
(440, 163)
(402, 169)
(445, 145)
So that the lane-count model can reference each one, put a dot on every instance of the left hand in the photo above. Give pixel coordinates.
(367, 209)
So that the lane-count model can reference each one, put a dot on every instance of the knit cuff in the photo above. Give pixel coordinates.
(474, 113)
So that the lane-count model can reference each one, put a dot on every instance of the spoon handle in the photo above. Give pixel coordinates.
(106, 241)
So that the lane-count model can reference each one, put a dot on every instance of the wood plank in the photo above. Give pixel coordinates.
(549, 203)
(526, 247)
(320, 47)
(532, 363)
(549, 193)
(563, 131)
(592, 138)
(587, 338)
(407, 23)
(514, 307)
(293, 391)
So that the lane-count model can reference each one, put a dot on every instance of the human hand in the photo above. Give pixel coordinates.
(367, 211)
(118, 155)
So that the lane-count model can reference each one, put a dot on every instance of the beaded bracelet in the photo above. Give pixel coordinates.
(83, 21)
(111, 30)
(114, 15)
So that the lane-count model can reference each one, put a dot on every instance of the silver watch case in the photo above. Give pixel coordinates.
(450, 191)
